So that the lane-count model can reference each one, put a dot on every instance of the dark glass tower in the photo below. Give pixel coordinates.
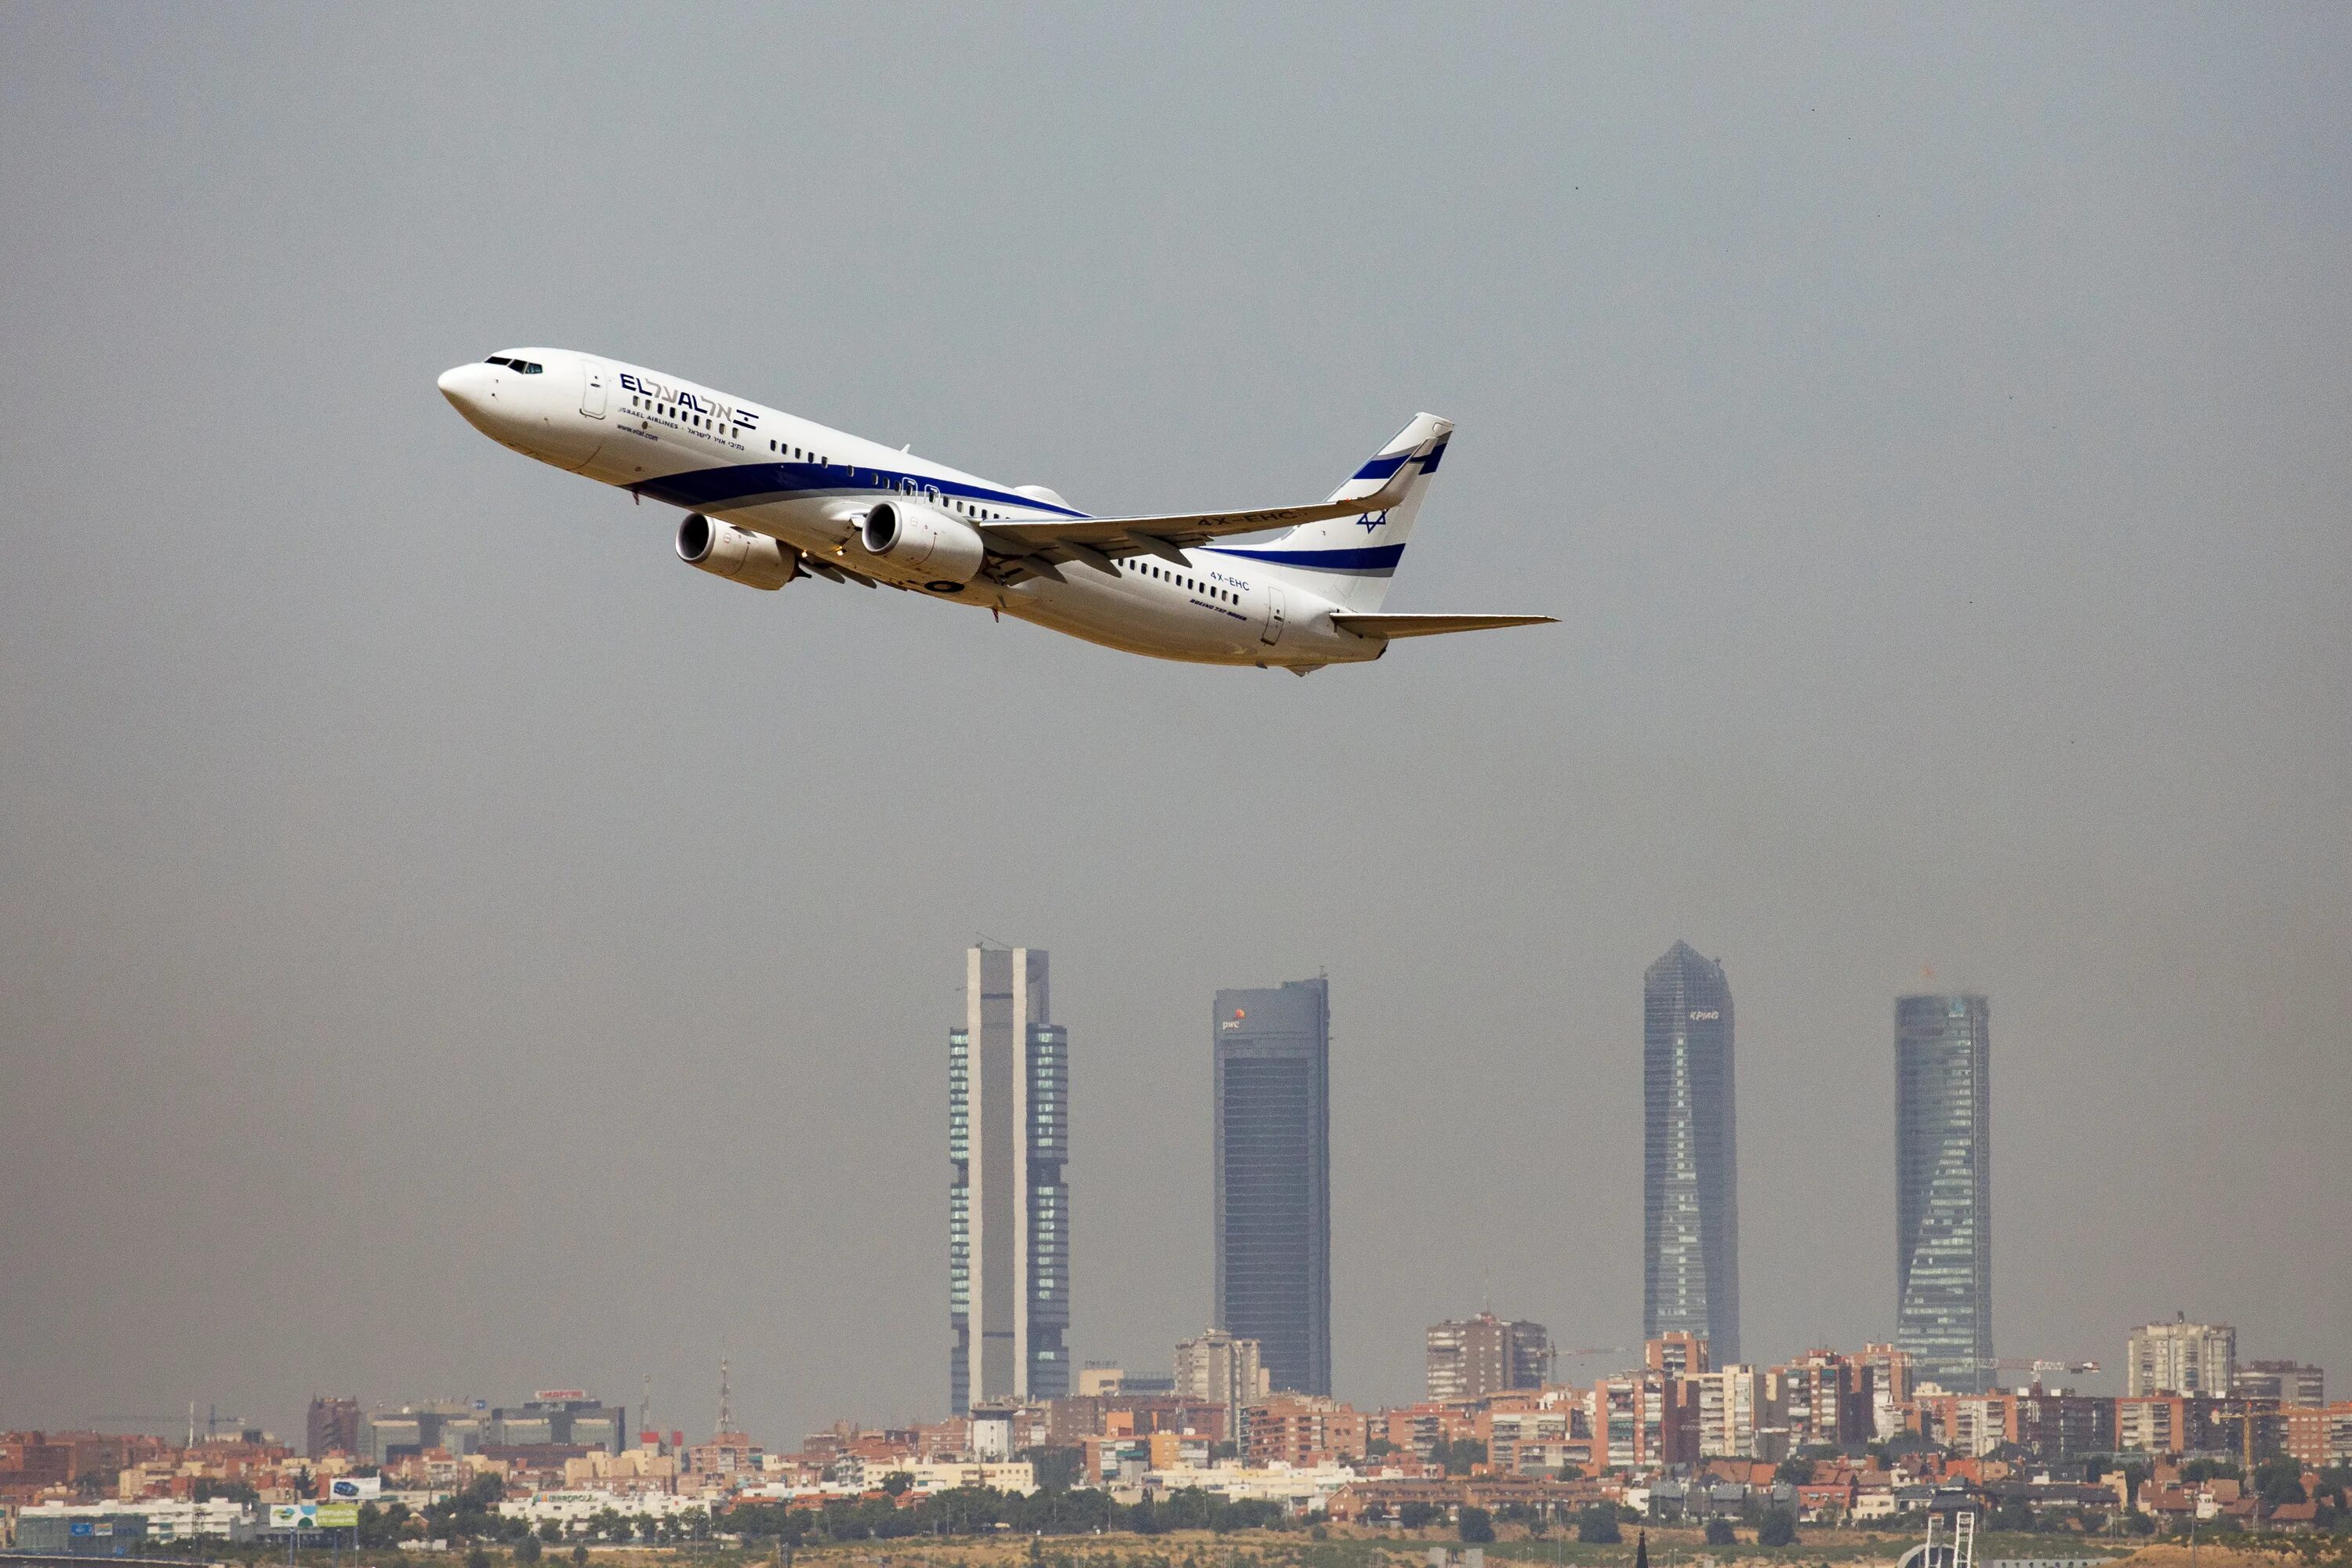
(1274, 1178)
(1690, 1159)
(1943, 1189)
(1008, 1202)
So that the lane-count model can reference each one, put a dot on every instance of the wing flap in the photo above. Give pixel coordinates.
(1380, 625)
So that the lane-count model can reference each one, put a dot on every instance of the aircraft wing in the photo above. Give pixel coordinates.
(1372, 625)
(1100, 541)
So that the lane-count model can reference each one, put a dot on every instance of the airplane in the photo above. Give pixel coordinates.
(771, 497)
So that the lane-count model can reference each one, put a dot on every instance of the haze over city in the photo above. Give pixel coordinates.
(447, 947)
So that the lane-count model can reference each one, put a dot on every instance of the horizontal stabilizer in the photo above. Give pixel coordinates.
(1370, 626)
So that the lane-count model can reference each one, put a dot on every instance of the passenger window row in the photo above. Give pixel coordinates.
(1195, 585)
(691, 421)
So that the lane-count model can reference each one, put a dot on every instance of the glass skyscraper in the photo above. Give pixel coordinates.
(1008, 1202)
(1273, 1163)
(1690, 1160)
(1943, 1189)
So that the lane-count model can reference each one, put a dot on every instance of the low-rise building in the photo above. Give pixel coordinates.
(1302, 1431)
(2322, 1436)
(1299, 1490)
(2288, 1382)
(1470, 1358)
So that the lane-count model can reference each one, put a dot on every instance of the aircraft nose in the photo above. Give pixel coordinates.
(466, 386)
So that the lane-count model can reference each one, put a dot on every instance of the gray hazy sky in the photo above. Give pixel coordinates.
(446, 946)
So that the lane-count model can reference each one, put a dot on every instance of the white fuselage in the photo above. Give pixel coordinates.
(809, 486)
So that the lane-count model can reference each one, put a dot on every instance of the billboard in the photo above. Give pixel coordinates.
(352, 1487)
(301, 1516)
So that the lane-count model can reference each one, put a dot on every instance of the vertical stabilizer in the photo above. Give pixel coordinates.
(1350, 560)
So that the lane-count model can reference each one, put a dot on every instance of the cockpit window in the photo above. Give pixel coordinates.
(528, 367)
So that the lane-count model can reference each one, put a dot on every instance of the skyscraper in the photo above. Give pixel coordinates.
(1008, 1204)
(1690, 1158)
(1943, 1189)
(1273, 1163)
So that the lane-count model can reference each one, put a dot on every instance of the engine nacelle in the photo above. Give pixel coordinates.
(726, 551)
(943, 549)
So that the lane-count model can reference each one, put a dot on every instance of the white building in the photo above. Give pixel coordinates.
(167, 1519)
(1730, 1400)
(2180, 1357)
(576, 1507)
(1299, 1491)
(1219, 1369)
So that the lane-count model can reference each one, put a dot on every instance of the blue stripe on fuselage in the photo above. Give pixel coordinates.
(1368, 560)
(744, 483)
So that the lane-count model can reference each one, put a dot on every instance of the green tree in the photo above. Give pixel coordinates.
(1415, 1515)
(1459, 1455)
(2016, 1515)
(1793, 1472)
(527, 1549)
(1597, 1526)
(1720, 1533)
(478, 1557)
(551, 1532)
(1056, 1469)
(1475, 1524)
(2280, 1479)
(580, 1555)
(1779, 1529)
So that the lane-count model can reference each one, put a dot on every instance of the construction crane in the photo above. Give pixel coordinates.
(2039, 1365)
(2246, 1415)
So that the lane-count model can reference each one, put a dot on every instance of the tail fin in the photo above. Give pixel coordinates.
(1349, 559)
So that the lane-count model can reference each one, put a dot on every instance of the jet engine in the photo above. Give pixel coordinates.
(726, 551)
(938, 546)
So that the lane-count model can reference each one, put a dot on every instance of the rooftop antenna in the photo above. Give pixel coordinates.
(725, 1409)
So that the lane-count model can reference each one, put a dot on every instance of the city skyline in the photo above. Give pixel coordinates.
(1925, 422)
